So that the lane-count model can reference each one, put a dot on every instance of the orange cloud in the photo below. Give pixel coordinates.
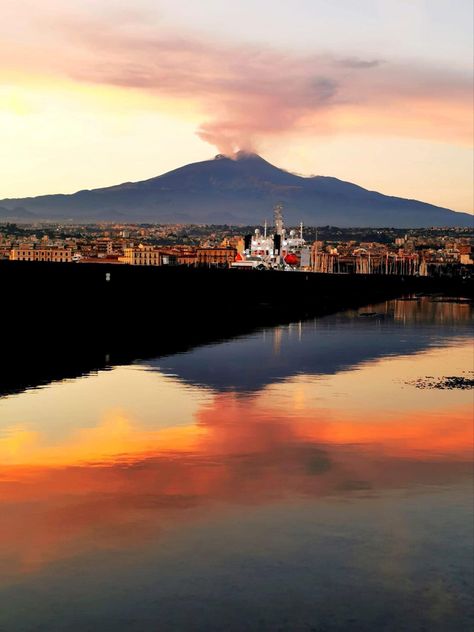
(247, 94)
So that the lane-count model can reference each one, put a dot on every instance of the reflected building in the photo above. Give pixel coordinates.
(434, 310)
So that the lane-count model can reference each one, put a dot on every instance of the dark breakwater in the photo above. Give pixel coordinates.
(64, 320)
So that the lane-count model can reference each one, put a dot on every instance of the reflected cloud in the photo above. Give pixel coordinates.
(120, 485)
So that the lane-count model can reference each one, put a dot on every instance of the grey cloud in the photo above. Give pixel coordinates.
(355, 62)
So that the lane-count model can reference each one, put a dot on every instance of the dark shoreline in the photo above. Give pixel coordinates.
(62, 321)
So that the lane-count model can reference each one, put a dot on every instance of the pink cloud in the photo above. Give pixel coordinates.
(251, 92)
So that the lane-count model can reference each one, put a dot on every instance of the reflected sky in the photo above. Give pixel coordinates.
(254, 490)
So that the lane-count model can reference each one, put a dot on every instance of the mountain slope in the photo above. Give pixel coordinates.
(239, 190)
(14, 213)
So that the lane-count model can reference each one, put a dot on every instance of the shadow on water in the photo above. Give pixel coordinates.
(62, 321)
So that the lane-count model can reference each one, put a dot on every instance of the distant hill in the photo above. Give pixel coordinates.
(238, 190)
(16, 213)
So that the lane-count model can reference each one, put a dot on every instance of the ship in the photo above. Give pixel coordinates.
(281, 250)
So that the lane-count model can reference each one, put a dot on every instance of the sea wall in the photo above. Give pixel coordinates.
(128, 299)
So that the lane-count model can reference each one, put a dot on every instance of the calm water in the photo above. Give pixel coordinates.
(290, 480)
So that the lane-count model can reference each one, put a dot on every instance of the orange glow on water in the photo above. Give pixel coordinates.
(118, 483)
(115, 438)
(233, 425)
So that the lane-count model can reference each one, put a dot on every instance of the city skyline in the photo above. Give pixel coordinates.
(379, 94)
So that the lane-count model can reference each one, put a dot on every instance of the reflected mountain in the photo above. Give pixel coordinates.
(132, 501)
(322, 346)
(200, 356)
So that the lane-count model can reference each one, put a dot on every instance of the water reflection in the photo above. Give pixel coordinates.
(323, 346)
(330, 494)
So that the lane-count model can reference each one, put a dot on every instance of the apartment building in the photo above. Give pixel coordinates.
(56, 255)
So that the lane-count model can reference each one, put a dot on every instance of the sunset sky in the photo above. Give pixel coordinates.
(378, 92)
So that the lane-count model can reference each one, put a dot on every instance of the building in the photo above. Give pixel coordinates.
(142, 256)
(104, 246)
(215, 256)
(466, 254)
(179, 255)
(56, 255)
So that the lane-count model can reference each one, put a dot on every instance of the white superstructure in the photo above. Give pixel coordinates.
(281, 249)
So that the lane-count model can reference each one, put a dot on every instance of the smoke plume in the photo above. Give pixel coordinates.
(246, 94)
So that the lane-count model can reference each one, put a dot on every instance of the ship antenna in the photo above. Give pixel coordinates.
(278, 219)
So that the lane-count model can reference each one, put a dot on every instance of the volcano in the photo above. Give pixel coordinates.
(238, 189)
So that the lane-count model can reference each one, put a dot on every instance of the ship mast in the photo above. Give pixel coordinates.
(278, 219)
(278, 236)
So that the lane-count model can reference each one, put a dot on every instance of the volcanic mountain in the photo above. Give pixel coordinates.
(241, 189)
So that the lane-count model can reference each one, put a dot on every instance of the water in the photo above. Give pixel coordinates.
(293, 479)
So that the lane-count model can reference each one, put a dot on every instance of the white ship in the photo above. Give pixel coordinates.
(281, 250)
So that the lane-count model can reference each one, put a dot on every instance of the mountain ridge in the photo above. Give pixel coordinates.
(241, 189)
